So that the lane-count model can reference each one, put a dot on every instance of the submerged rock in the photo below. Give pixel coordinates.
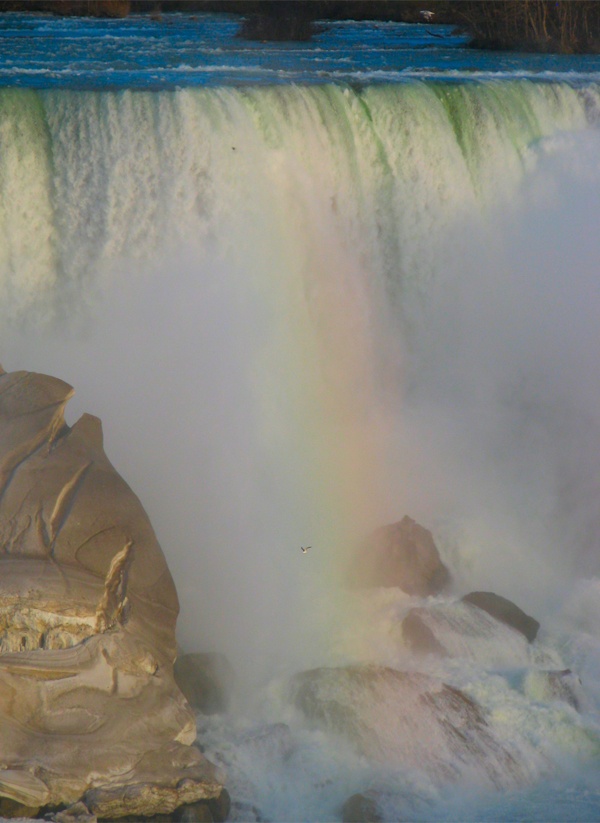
(408, 720)
(402, 554)
(89, 709)
(194, 813)
(506, 611)
(206, 680)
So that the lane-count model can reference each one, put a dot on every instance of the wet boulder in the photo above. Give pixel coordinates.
(214, 810)
(360, 808)
(419, 636)
(206, 680)
(505, 611)
(460, 630)
(408, 720)
(194, 813)
(402, 554)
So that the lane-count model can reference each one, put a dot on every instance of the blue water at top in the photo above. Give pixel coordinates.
(182, 50)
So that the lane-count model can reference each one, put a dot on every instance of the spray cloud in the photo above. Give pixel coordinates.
(305, 341)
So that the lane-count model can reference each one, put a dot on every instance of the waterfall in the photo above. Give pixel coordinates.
(304, 311)
(89, 178)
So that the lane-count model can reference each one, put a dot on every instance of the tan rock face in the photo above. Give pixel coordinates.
(88, 704)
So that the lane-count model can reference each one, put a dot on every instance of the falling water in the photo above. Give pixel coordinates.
(302, 312)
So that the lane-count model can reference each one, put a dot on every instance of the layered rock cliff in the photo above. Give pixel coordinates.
(89, 709)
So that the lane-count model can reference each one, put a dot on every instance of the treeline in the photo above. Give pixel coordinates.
(407, 10)
(567, 26)
(84, 8)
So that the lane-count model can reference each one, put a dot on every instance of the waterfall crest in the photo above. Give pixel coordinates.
(88, 178)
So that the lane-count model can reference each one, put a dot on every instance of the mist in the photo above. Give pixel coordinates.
(503, 394)
(260, 390)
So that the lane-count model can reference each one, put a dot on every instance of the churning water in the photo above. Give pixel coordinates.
(305, 303)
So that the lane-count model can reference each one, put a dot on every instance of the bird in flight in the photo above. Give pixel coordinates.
(304, 549)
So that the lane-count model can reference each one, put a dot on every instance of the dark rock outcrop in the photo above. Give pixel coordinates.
(206, 680)
(360, 809)
(402, 554)
(194, 813)
(11, 808)
(506, 611)
(281, 26)
(418, 636)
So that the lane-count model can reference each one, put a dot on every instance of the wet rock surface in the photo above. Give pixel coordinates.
(206, 680)
(360, 808)
(506, 611)
(407, 718)
(461, 630)
(402, 554)
(418, 636)
(89, 709)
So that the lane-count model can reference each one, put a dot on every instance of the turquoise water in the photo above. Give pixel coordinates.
(310, 288)
(182, 50)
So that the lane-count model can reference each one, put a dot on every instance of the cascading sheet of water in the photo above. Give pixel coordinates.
(302, 312)
(261, 291)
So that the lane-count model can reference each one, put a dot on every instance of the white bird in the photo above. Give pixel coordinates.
(304, 549)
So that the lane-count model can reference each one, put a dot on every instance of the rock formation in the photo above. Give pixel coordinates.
(506, 611)
(206, 680)
(402, 554)
(408, 720)
(418, 636)
(360, 808)
(89, 709)
(460, 629)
